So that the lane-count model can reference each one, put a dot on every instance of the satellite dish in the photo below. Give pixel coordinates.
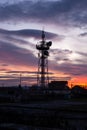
(49, 43)
(46, 53)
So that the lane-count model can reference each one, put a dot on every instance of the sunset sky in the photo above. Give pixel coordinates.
(65, 24)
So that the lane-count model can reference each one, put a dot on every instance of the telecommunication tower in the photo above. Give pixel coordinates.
(43, 48)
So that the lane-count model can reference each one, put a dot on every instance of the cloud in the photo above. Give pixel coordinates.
(62, 62)
(60, 55)
(18, 72)
(70, 69)
(11, 54)
(15, 47)
(28, 33)
(83, 34)
(82, 53)
(72, 12)
(23, 36)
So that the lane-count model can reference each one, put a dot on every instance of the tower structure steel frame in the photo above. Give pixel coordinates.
(43, 48)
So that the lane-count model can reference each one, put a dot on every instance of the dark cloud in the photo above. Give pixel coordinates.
(28, 33)
(22, 72)
(70, 68)
(11, 54)
(61, 55)
(83, 34)
(65, 78)
(82, 53)
(64, 11)
(4, 65)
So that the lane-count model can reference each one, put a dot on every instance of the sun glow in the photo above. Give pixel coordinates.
(81, 81)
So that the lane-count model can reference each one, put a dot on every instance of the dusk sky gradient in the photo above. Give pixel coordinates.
(65, 24)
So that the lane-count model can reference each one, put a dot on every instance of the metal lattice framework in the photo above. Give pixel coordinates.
(43, 48)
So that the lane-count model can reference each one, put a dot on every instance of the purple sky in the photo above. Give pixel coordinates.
(21, 23)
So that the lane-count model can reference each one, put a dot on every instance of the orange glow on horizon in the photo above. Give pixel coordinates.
(56, 75)
(82, 81)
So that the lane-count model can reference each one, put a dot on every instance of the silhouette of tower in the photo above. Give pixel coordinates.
(43, 48)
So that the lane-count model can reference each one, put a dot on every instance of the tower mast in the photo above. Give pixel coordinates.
(43, 47)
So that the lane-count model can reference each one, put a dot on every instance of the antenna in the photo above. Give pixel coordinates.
(43, 48)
